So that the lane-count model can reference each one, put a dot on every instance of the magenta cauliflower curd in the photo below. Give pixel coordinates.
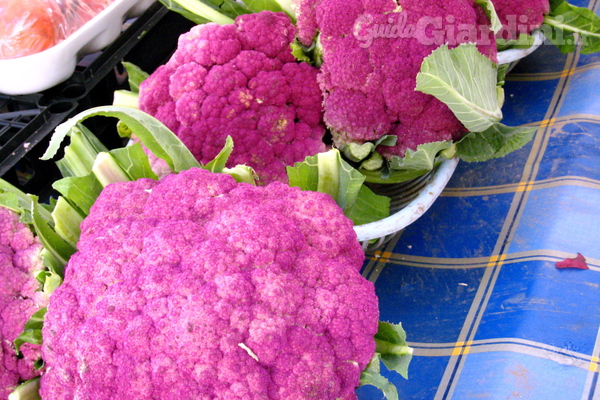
(219, 291)
(372, 52)
(240, 80)
(19, 299)
(520, 16)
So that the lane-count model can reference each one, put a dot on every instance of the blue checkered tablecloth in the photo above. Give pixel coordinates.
(474, 281)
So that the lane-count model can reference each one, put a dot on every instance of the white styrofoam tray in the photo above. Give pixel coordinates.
(43, 70)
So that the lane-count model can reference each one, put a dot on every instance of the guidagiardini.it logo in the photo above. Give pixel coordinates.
(447, 30)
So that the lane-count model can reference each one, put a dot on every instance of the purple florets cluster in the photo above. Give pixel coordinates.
(520, 16)
(19, 298)
(372, 52)
(219, 291)
(240, 80)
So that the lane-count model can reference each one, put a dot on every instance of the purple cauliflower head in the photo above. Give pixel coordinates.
(19, 299)
(519, 16)
(372, 51)
(197, 287)
(240, 80)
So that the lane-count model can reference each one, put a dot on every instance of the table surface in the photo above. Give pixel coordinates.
(474, 281)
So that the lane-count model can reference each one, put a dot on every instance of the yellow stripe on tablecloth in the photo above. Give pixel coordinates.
(568, 72)
(547, 122)
(461, 348)
(496, 260)
(382, 256)
(594, 367)
(524, 186)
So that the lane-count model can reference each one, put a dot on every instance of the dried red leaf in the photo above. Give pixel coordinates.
(577, 262)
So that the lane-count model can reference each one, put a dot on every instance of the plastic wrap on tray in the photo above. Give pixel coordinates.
(78, 12)
(30, 26)
(42, 40)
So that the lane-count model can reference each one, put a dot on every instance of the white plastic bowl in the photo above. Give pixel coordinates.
(43, 70)
(375, 234)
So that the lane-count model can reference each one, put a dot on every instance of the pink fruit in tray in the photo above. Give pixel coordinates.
(29, 26)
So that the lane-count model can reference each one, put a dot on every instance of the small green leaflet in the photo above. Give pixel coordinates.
(49, 280)
(312, 54)
(12, 198)
(28, 390)
(357, 152)
(423, 159)
(135, 76)
(496, 141)
(329, 173)
(394, 352)
(502, 71)
(241, 173)
(33, 330)
(300, 52)
(466, 81)
(219, 162)
(151, 132)
(56, 245)
(554, 4)
(490, 11)
(134, 161)
(565, 20)
(82, 191)
(386, 140)
(391, 344)
(54, 266)
(368, 207)
(67, 221)
(374, 163)
(9, 200)
(415, 163)
(372, 376)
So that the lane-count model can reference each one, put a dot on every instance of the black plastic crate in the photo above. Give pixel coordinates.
(27, 122)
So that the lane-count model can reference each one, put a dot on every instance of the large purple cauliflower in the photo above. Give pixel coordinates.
(520, 16)
(372, 51)
(19, 299)
(240, 80)
(197, 287)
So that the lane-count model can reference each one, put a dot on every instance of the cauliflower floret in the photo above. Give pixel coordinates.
(242, 81)
(519, 16)
(216, 291)
(372, 51)
(19, 298)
